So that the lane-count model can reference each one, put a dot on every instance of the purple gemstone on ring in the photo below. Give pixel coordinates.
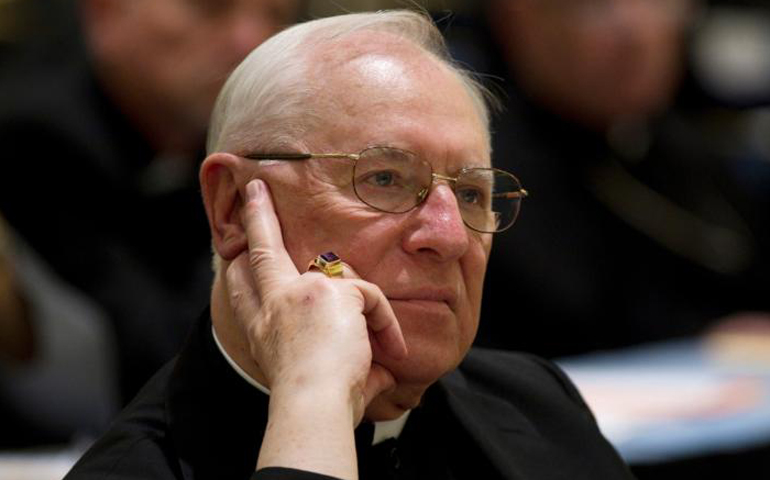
(329, 257)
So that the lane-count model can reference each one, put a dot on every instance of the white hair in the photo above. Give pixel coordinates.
(267, 101)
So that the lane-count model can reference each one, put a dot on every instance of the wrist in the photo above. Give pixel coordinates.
(312, 399)
(310, 429)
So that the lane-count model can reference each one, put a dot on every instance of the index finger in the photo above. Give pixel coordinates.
(269, 260)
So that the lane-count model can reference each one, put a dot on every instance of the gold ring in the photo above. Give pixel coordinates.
(328, 263)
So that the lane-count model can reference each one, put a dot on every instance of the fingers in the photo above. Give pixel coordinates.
(270, 262)
(240, 285)
(259, 279)
(382, 321)
(380, 318)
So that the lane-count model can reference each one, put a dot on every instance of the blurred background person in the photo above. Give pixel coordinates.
(640, 128)
(57, 355)
(102, 134)
(642, 229)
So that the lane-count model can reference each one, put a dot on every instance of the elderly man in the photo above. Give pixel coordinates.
(353, 135)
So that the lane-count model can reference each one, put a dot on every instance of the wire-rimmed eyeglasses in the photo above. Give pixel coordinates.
(393, 180)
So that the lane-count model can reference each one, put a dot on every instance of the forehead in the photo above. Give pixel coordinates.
(383, 90)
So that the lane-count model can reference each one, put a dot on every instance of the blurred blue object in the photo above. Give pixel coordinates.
(677, 399)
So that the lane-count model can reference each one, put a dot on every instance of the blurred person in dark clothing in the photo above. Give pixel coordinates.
(57, 354)
(100, 154)
(639, 232)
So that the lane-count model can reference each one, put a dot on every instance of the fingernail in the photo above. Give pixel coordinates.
(254, 189)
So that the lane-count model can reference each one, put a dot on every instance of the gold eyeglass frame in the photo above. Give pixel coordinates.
(422, 195)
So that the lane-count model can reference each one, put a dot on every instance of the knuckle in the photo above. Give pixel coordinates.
(258, 256)
(251, 208)
(374, 288)
(260, 333)
(262, 336)
(318, 285)
(232, 273)
(237, 297)
(310, 291)
(321, 285)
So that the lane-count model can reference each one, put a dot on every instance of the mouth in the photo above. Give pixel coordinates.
(421, 309)
(416, 302)
(428, 300)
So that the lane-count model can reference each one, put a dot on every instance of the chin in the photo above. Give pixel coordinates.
(436, 345)
(431, 356)
(424, 369)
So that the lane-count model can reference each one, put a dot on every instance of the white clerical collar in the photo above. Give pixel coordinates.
(382, 430)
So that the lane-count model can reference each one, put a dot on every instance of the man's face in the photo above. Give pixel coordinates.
(599, 60)
(180, 52)
(427, 263)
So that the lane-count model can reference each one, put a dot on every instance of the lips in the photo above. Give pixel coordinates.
(422, 309)
(426, 298)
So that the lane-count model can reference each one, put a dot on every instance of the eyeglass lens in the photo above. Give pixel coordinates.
(396, 181)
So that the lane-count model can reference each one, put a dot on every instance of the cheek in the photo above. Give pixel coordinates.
(474, 266)
(370, 245)
(361, 238)
(303, 239)
(474, 262)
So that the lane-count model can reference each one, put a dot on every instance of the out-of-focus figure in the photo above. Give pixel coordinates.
(101, 142)
(639, 129)
(594, 62)
(639, 231)
(163, 63)
(57, 354)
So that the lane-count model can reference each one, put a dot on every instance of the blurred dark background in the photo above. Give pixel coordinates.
(641, 129)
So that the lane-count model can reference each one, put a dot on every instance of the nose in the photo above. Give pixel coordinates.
(436, 226)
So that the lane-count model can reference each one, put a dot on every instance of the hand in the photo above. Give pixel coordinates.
(311, 336)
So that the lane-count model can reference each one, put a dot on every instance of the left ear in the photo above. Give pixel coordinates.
(222, 199)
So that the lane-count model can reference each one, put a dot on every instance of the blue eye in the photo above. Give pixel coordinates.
(470, 196)
(382, 178)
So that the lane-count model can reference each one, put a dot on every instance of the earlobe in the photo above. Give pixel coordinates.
(222, 199)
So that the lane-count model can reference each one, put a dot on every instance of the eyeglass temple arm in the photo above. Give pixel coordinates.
(298, 156)
(278, 156)
(519, 194)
